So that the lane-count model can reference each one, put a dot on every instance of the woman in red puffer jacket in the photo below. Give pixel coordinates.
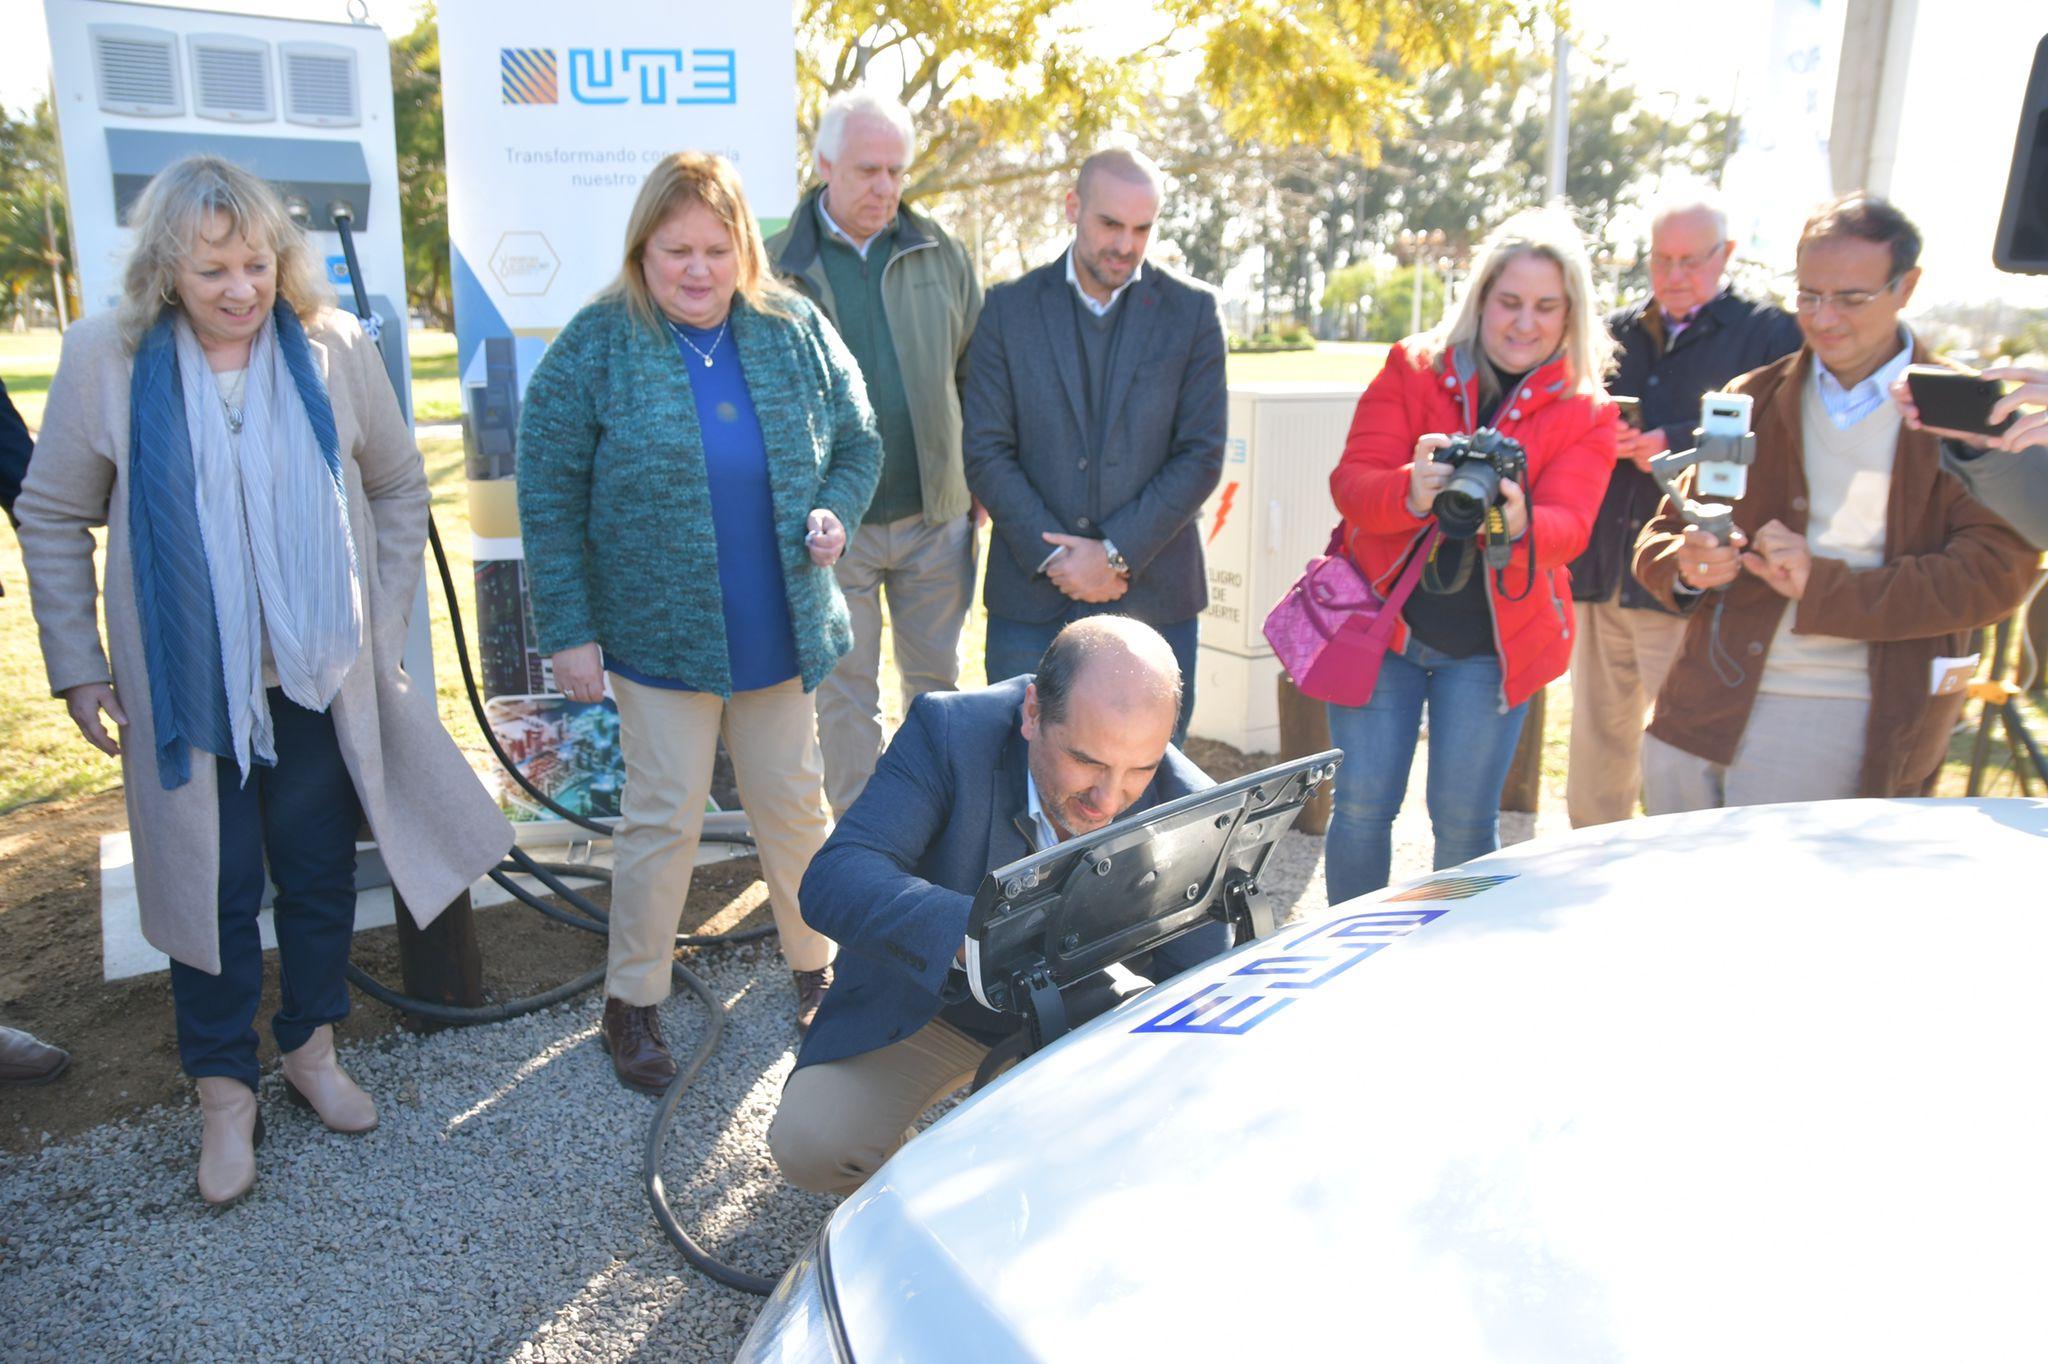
(1523, 353)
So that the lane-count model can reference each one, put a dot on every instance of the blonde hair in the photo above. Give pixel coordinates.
(1550, 233)
(677, 180)
(169, 217)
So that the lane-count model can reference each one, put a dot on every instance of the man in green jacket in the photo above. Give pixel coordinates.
(904, 297)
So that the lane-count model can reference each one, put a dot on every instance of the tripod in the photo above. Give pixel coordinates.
(1999, 696)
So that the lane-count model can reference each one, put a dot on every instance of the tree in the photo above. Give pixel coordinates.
(1018, 74)
(1009, 95)
(1377, 304)
(1470, 154)
(34, 225)
(422, 167)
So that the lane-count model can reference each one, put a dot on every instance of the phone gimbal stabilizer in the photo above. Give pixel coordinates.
(1724, 448)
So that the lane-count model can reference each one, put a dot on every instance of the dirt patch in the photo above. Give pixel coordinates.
(120, 1033)
(1222, 762)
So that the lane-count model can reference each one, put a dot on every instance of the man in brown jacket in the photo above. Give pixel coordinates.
(1824, 654)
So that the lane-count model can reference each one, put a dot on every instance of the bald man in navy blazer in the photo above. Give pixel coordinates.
(973, 781)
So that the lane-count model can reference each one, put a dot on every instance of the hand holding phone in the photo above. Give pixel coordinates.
(1956, 400)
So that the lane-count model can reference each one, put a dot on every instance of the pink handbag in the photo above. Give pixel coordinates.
(1331, 629)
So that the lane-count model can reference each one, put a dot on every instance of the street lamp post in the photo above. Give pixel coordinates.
(1419, 246)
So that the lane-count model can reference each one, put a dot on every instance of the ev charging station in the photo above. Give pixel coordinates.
(305, 105)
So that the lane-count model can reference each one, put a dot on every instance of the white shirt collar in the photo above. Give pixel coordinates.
(1087, 299)
(1041, 824)
(836, 230)
(1848, 405)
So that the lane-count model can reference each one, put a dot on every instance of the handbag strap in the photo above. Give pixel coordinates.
(1383, 622)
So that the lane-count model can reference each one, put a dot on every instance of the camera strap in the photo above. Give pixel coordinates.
(1432, 577)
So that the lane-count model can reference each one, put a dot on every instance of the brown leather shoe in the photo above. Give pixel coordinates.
(632, 1034)
(810, 993)
(25, 1061)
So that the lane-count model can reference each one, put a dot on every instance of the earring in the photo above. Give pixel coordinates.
(170, 299)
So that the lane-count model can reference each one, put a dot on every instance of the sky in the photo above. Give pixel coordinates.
(1963, 93)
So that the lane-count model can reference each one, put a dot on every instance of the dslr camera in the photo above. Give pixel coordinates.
(1478, 464)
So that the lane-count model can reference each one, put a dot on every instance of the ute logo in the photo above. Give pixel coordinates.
(623, 75)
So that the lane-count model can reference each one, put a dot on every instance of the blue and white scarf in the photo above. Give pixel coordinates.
(235, 542)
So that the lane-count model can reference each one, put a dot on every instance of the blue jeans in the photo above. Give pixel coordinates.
(303, 814)
(1471, 745)
(1015, 646)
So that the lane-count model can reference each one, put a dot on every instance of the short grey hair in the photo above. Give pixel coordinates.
(860, 100)
(172, 211)
(1679, 206)
(1122, 163)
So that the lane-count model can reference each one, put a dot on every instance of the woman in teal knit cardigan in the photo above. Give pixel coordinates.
(695, 451)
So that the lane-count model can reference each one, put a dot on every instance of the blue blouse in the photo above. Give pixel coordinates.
(760, 638)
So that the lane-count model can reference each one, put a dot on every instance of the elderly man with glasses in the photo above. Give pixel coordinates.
(1691, 336)
(1827, 646)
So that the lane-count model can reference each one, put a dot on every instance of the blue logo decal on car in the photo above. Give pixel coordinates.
(1308, 960)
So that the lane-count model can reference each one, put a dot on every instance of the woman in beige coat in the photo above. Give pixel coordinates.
(266, 511)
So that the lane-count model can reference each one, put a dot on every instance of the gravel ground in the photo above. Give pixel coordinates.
(496, 1214)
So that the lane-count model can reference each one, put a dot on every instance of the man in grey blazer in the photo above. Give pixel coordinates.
(1095, 413)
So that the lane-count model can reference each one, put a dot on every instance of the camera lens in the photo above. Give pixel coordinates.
(1461, 507)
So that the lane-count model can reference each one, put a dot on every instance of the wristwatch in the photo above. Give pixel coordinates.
(1116, 558)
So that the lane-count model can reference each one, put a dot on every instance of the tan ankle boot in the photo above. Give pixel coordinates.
(231, 1128)
(314, 1081)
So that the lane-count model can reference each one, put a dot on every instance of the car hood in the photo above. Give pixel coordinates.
(1743, 1082)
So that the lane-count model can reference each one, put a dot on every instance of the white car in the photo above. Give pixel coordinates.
(1745, 1084)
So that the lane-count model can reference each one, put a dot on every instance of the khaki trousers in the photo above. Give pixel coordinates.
(670, 740)
(840, 1120)
(1619, 662)
(928, 572)
(1794, 748)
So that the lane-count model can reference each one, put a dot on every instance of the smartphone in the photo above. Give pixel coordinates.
(1723, 414)
(1631, 410)
(1956, 400)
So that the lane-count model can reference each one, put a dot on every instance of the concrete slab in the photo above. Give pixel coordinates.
(125, 952)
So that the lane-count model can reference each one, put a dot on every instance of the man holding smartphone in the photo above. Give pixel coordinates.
(2006, 470)
(1690, 337)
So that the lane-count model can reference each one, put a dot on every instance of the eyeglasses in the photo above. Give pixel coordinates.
(1691, 265)
(1848, 300)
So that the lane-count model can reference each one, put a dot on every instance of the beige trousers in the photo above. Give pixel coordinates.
(840, 1120)
(1794, 748)
(928, 572)
(670, 739)
(1619, 662)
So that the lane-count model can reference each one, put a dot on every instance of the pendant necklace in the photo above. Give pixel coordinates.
(702, 354)
(233, 407)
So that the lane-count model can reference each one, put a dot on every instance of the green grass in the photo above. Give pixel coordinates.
(1332, 362)
(42, 756)
(27, 361)
(436, 388)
